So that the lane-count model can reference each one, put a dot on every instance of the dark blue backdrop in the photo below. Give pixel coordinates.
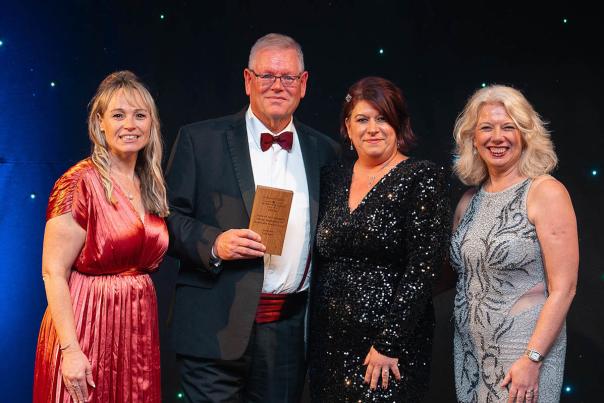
(191, 53)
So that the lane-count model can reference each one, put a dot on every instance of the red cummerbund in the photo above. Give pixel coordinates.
(274, 307)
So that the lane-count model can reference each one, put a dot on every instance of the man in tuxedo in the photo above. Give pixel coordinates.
(237, 322)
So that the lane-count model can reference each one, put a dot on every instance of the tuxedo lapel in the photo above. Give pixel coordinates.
(308, 144)
(240, 157)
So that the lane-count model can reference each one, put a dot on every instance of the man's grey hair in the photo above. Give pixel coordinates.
(278, 41)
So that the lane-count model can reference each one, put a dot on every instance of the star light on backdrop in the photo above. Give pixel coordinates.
(31, 188)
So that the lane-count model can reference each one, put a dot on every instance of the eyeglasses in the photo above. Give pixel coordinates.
(268, 79)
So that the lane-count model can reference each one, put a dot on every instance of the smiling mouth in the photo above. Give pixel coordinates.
(497, 152)
(129, 137)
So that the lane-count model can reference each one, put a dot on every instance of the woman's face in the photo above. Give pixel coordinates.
(126, 124)
(372, 136)
(497, 139)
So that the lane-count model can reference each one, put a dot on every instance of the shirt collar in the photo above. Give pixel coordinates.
(256, 127)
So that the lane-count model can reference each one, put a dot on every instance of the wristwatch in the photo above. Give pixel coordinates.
(534, 356)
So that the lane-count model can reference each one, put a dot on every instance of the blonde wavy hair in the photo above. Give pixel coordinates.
(148, 163)
(538, 155)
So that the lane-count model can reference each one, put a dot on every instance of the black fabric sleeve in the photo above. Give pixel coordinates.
(190, 239)
(426, 237)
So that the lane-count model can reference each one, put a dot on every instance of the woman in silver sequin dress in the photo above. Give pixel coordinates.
(515, 250)
(381, 237)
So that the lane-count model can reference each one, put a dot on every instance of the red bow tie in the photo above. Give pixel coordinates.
(285, 140)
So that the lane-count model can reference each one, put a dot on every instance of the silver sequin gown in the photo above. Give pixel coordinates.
(497, 256)
(372, 276)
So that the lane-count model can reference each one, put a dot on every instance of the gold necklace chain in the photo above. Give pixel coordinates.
(129, 195)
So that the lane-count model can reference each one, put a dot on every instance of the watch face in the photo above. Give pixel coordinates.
(534, 356)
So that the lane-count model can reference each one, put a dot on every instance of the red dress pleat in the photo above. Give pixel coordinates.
(113, 297)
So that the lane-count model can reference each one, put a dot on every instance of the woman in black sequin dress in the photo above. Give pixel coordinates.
(381, 239)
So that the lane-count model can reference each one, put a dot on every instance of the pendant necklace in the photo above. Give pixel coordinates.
(129, 195)
(372, 178)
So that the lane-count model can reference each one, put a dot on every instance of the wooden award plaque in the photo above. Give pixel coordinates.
(270, 214)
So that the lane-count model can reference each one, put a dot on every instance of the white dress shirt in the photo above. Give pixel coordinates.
(279, 168)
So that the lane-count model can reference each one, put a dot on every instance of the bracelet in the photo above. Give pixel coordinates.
(64, 348)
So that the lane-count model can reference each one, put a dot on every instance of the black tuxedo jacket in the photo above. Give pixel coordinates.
(210, 190)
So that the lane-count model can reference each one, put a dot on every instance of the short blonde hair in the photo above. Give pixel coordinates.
(538, 155)
(148, 163)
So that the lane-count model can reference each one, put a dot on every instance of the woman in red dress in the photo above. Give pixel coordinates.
(99, 338)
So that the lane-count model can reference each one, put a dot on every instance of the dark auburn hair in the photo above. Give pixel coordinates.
(388, 99)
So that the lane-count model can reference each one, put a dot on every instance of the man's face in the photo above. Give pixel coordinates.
(274, 103)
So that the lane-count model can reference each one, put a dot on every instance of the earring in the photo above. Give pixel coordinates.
(351, 146)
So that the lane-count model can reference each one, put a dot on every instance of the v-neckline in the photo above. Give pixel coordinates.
(141, 218)
(372, 190)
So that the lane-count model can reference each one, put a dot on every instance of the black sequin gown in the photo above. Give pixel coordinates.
(372, 277)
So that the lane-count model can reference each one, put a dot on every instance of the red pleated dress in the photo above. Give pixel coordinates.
(114, 301)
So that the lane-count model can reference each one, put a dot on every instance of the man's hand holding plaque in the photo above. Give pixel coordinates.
(237, 244)
(270, 214)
